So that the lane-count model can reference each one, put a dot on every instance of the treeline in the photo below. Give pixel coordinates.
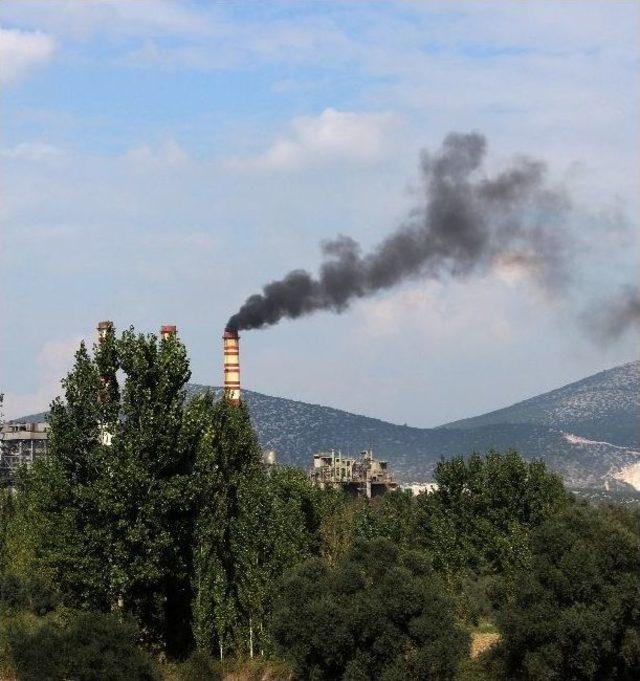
(153, 543)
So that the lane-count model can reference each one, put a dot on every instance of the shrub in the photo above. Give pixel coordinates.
(381, 613)
(84, 647)
(200, 665)
(33, 594)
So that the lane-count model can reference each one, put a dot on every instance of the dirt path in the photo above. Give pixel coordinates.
(481, 642)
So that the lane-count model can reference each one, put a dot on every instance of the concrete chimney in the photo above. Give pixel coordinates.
(102, 329)
(231, 345)
(167, 331)
(105, 435)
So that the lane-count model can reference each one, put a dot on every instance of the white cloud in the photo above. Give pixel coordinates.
(208, 36)
(331, 136)
(33, 151)
(438, 314)
(20, 51)
(83, 18)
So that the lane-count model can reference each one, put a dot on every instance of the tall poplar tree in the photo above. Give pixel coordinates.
(146, 488)
(228, 459)
(110, 510)
(58, 504)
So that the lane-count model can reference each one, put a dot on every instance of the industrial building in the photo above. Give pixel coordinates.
(21, 443)
(365, 476)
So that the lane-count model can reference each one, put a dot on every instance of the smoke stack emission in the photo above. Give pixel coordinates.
(231, 348)
(468, 222)
(616, 316)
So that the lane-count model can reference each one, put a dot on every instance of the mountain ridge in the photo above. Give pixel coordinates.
(586, 430)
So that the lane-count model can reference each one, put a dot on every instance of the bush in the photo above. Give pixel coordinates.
(379, 614)
(201, 666)
(84, 647)
(33, 594)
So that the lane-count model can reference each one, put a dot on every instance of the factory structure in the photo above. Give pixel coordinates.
(22, 442)
(363, 476)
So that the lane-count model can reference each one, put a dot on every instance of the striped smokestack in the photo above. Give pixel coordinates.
(231, 345)
(102, 330)
(167, 331)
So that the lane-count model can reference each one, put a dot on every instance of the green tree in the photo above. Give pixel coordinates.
(145, 495)
(7, 515)
(228, 458)
(337, 531)
(58, 504)
(575, 614)
(109, 512)
(381, 613)
(276, 529)
(82, 646)
(392, 516)
(482, 513)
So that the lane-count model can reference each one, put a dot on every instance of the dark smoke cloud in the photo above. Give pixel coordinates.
(468, 222)
(615, 316)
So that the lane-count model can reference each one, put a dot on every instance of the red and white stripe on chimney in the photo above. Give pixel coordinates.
(231, 348)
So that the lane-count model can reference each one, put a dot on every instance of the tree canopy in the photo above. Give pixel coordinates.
(380, 613)
(575, 614)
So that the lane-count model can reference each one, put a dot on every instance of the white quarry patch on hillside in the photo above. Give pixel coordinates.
(577, 440)
(630, 474)
(621, 471)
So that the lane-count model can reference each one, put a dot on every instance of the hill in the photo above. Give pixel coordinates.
(587, 431)
(604, 406)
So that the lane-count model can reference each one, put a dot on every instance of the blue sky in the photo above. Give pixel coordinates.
(162, 160)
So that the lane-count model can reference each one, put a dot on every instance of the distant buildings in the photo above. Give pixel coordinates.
(21, 443)
(362, 476)
(419, 487)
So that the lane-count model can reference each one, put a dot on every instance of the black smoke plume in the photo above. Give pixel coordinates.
(468, 222)
(615, 316)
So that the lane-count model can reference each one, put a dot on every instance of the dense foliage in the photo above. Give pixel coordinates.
(381, 613)
(86, 646)
(481, 516)
(576, 613)
(152, 528)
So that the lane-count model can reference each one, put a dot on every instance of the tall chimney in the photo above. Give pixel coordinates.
(167, 331)
(105, 434)
(231, 345)
(102, 329)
